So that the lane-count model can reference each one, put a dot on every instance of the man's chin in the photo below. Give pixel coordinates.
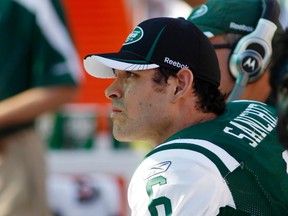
(120, 137)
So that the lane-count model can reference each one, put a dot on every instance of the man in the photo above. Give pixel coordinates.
(209, 158)
(40, 71)
(226, 23)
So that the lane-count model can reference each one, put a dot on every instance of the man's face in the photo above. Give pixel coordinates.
(140, 106)
(258, 90)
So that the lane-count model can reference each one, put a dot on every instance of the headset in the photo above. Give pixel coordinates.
(252, 53)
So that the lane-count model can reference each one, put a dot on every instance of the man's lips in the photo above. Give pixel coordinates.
(115, 109)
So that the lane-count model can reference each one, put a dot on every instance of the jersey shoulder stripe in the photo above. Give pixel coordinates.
(222, 159)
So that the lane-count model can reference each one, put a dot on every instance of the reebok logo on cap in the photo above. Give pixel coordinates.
(174, 63)
(241, 27)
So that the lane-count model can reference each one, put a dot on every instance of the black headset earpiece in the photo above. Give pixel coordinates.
(252, 53)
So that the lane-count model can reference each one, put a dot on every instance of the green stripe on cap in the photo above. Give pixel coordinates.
(151, 51)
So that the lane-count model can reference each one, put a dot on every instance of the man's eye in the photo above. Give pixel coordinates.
(130, 74)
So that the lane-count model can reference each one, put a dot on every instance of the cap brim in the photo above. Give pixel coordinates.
(101, 65)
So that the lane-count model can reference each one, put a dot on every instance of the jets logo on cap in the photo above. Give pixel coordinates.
(199, 12)
(134, 36)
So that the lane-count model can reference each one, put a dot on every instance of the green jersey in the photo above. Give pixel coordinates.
(231, 165)
(31, 53)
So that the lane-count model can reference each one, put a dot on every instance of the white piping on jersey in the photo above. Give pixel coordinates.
(50, 23)
(230, 162)
(241, 100)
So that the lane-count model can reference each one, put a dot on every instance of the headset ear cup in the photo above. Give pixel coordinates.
(249, 62)
(253, 52)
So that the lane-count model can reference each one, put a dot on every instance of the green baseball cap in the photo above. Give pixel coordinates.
(227, 16)
(167, 42)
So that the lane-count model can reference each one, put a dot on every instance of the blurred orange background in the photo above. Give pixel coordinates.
(97, 26)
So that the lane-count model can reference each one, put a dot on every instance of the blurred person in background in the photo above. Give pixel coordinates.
(279, 85)
(242, 33)
(40, 71)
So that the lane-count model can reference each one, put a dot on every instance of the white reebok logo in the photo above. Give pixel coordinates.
(157, 169)
(241, 27)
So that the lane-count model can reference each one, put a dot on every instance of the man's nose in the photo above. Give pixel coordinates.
(113, 91)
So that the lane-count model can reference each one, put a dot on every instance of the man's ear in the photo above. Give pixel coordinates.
(184, 83)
